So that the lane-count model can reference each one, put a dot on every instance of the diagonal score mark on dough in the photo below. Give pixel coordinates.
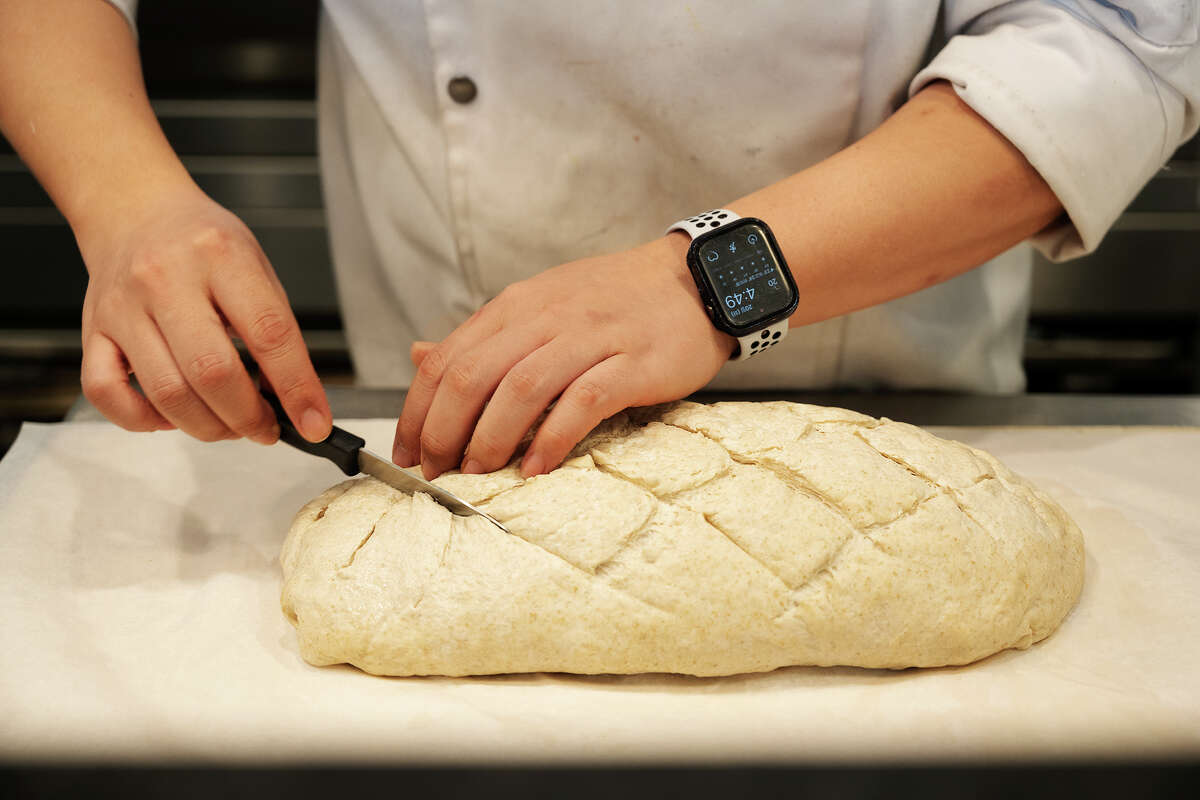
(665, 499)
(825, 568)
(370, 533)
(600, 578)
(798, 482)
(712, 523)
(441, 563)
(740, 458)
(916, 473)
(792, 478)
(589, 576)
(669, 499)
(497, 494)
(952, 493)
(601, 568)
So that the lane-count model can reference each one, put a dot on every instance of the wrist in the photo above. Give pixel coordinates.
(668, 256)
(127, 206)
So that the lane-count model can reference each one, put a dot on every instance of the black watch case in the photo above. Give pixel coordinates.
(742, 277)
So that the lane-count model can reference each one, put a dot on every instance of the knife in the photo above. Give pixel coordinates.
(350, 454)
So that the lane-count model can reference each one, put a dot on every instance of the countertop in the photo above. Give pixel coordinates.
(139, 607)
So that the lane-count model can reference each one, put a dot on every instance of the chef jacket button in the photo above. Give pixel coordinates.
(462, 89)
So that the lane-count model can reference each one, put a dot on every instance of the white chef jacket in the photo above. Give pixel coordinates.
(597, 123)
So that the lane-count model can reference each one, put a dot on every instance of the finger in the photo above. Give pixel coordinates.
(419, 350)
(104, 378)
(265, 322)
(165, 387)
(406, 446)
(591, 398)
(524, 393)
(211, 365)
(467, 384)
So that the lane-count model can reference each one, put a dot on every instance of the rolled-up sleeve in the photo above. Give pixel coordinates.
(128, 9)
(1096, 95)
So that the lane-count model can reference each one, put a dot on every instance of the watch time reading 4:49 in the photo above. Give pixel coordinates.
(744, 282)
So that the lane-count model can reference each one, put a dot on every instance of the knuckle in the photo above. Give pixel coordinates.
(432, 366)
(597, 317)
(169, 393)
(292, 391)
(556, 440)
(589, 395)
(254, 422)
(148, 273)
(100, 392)
(524, 385)
(409, 430)
(272, 333)
(212, 371)
(108, 308)
(462, 377)
(488, 450)
(510, 294)
(214, 242)
(434, 445)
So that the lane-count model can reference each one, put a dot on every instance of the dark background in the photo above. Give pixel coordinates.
(233, 84)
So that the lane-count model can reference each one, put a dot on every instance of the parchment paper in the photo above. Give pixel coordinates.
(139, 621)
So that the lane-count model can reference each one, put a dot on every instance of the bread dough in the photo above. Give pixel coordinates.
(697, 539)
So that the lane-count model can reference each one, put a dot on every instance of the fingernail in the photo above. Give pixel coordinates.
(472, 467)
(400, 456)
(532, 465)
(313, 425)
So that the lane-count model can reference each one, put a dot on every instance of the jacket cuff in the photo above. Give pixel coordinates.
(128, 9)
(1087, 114)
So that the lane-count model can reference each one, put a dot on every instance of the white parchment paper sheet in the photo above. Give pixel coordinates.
(139, 620)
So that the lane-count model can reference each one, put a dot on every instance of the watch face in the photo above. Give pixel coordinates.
(744, 272)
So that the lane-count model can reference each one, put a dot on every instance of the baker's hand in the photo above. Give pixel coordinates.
(165, 289)
(599, 335)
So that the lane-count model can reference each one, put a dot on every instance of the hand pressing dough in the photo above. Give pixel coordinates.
(697, 539)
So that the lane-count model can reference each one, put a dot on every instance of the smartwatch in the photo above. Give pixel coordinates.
(744, 282)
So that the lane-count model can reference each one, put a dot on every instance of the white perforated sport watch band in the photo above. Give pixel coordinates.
(752, 343)
(703, 223)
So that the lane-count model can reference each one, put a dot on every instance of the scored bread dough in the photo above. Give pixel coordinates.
(696, 539)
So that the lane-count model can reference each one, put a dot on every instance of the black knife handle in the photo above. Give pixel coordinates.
(341, 447)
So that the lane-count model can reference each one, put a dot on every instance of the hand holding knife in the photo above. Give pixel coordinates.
(350, 454)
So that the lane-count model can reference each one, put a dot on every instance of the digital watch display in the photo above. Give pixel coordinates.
(742, 278)
(745, 273)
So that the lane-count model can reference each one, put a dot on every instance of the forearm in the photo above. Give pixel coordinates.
(930, 194)
(73, 105)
